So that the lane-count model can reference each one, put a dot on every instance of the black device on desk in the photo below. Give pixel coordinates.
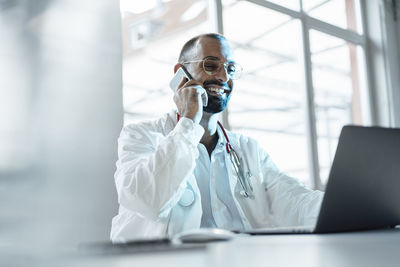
(363, 190)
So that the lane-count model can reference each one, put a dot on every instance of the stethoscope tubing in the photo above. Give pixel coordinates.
(236, 162)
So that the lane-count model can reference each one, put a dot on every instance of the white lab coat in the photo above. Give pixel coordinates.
(155, 167)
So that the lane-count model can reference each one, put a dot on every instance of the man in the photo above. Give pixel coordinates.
(184, 171)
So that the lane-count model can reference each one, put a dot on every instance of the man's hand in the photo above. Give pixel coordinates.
(188, 100)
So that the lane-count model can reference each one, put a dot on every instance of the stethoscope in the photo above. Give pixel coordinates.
(243, 176)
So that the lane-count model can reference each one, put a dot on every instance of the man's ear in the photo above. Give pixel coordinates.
(176, 67)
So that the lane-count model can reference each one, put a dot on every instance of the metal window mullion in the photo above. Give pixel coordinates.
(314, 23)
(333, 30)
(278, 8)
(389, 55)
(216, 15)
(368, 100)
(310, 108)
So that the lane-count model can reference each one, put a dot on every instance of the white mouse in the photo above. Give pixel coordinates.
(202, 235)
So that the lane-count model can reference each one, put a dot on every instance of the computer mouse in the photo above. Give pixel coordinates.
(203, 235)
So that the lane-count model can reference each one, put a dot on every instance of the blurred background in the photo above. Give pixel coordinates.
(60, 116)
(73, 72)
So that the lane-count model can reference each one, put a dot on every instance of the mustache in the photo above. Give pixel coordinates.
(216, 82)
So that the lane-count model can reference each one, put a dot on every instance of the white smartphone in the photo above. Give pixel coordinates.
(177, 79)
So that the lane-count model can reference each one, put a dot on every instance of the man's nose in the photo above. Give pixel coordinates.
(222, 75)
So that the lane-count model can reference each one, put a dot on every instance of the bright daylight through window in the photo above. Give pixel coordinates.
(303, 70)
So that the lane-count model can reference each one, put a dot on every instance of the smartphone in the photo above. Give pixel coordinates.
(177, 79)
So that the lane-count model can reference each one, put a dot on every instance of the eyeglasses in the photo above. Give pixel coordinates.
(212, 66)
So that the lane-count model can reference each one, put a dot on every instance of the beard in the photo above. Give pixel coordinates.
(216, 104)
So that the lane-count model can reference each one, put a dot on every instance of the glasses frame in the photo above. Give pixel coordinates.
(226, 64)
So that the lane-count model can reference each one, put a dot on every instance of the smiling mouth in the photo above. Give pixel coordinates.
(216, 90)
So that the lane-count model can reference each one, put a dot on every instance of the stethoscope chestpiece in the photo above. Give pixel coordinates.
(187, 198)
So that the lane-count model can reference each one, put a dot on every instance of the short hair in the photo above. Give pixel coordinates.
(190, 44)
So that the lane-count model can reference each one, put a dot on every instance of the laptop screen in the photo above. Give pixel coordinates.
(363, 187)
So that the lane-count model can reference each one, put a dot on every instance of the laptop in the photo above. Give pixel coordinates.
(363, 190)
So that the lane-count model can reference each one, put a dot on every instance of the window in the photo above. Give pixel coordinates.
(152, 39)
(303, 74)
(267, 103)
(338, 82)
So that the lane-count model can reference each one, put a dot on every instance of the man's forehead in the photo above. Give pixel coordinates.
(211, 47)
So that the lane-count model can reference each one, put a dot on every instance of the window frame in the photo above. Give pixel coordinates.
(308, 23)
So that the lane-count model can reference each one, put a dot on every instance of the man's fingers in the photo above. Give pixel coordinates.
(183, 81)
(188, 101)
(186, 84)
(191, 82)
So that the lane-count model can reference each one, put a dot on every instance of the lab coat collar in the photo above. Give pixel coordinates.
(221, 140)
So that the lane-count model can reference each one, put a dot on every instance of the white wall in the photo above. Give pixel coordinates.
(392, 48)
(397, 72)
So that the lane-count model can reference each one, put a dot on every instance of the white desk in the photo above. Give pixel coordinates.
(364, 249)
